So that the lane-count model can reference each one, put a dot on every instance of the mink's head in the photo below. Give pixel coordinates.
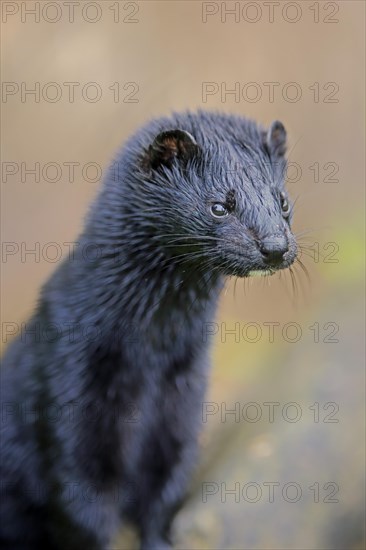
(211, 193)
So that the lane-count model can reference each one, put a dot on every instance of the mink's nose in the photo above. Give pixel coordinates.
(273, 249)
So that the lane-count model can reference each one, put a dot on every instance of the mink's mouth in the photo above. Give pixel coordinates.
(265, 271)
(238, 265)
(261, 272)
(238, 271)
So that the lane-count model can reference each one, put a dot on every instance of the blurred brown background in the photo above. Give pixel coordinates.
(161, 54)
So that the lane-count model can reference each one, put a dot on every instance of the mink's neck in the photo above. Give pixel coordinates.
(138, 285)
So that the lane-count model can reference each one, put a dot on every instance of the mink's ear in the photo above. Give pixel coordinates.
(276, 139)
(170, 145)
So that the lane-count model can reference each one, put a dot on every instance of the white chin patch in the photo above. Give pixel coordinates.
(259, 272)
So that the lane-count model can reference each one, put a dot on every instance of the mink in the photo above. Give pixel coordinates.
(103, 389)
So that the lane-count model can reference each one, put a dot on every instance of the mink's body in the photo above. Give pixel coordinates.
(103, 399)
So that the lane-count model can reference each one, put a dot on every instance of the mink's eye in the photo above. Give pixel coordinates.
(284, 205)
(218, 210)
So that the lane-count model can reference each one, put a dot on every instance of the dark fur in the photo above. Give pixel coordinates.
(155, 283)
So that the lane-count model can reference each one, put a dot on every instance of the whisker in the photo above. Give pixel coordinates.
(294, 285)
(304, 269)
(235, 283)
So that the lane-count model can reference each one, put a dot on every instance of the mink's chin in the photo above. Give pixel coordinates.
(236, 269)
(262, 272)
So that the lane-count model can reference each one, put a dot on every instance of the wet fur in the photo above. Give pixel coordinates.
(148, 297)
